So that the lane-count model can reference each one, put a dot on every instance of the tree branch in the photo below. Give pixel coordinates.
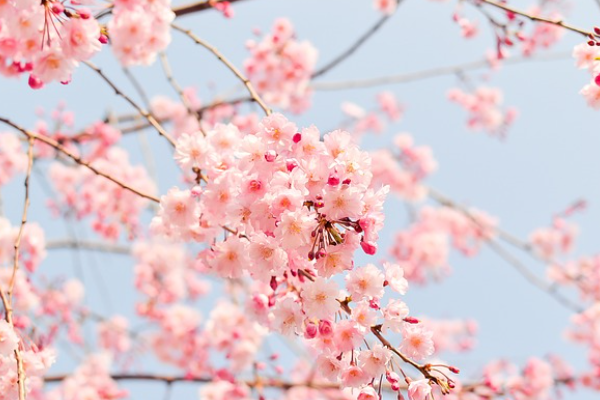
(430, 73)
(53, 143)
(149, 117)
(228, 64)
(195, 7)
(557, 22)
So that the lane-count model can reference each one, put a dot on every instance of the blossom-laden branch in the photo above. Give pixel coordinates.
(507, 256)
(149, 117)
(57, 146)
(558, 22)
(228, 64)
(7, 298)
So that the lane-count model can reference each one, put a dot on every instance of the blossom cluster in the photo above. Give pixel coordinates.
(111, 206)
(280, 67)
(484, 108)
(139, 30)
(47, 40)
(423, 249)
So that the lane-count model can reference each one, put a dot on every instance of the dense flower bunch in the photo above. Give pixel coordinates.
(110, 205)
(280, 67)
(46, 40)
(140, 29)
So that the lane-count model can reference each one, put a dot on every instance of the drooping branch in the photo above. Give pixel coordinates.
(8, 296)
(355, 46)
(507, 256)
(149, 117)
(57, 146)
(228, 64)
(431, 73)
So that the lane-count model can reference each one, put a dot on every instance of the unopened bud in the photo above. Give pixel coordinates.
(411, 320)
(103, 39)
(290, 164)
(311, 330)
(297, 137)
(57, 8)
(333, 180)
(35, 82)
(454, 369)
(270, 155)
(84, 13)
(273, 283)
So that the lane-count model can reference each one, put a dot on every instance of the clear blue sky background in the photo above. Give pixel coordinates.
(549, 159)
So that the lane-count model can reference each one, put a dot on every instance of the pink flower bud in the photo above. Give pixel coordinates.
(297, 137)
(325, 328)
(35, 82)
(273, 283)
(310, 330)
(84, 13)
(333, 180)
(103, 39)
(57, 8)
(270, 155)
(290, 164)
(411, 320)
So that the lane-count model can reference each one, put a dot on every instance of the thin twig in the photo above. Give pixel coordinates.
(430, 73)
(557, 22)
(143, 112)
(87, 245)
(137, 86)
(504, 254)
(355, 46)
(228, 64)
(53, 143)
(531, 277)
(175, 85)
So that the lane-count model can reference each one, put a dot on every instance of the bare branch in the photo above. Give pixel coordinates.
(355, 46)
(228, 64)
(87, 245)
(430, 73)
(143, 112)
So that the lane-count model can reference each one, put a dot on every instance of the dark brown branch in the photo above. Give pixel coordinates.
(195, 7)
